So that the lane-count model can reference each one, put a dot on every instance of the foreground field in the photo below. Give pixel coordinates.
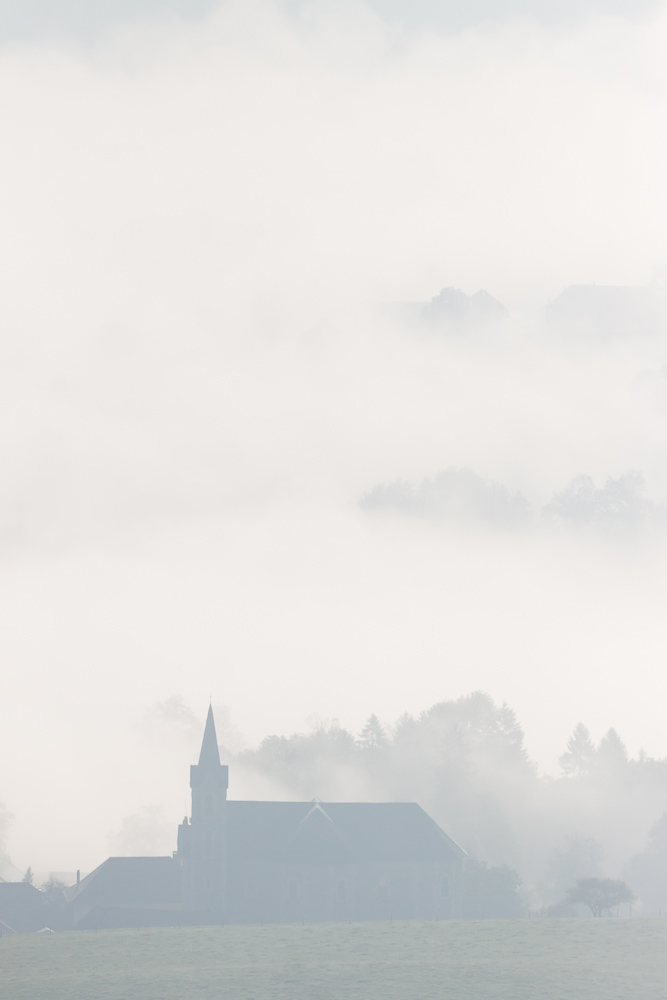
(493, 960)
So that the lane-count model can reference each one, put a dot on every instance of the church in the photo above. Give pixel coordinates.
(275, 862)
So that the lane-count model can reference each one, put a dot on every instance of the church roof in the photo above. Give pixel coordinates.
(336, 832)
(209, 755)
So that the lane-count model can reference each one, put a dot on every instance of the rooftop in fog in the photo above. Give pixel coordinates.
(451, 310)
(9, 872)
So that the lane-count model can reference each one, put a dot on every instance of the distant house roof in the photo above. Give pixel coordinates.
(129, 882)
(66, 878)
(9, 873)
(304, 832)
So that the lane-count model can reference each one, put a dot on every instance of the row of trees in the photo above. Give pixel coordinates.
(458, 494)
(465, 762)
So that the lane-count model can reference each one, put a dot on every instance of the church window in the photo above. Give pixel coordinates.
(444, 886)
(293, 889)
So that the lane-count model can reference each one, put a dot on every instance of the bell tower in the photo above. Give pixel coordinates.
(202, 842)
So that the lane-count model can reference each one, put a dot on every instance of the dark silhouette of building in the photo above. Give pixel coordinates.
(202, 841)
(126, 892)
(22, 908)
(265, 862)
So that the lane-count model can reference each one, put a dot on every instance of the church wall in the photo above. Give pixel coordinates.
(254, 893)
(290, 893)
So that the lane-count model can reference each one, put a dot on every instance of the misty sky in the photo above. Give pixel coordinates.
(32, 19)
(201, 210)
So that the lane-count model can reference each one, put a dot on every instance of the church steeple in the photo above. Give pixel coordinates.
(202, 843)
(209, 755)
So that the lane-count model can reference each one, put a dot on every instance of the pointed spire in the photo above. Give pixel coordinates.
(209, 756)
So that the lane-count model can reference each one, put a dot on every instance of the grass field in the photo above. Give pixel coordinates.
(467, 960)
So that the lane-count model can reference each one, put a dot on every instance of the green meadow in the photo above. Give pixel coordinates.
(539, 959)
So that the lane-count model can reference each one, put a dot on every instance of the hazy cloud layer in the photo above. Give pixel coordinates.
(5, 822)
(39, 19)
(199, 219)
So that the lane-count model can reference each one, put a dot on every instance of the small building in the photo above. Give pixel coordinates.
(22, 908)
(272, 862)
(126, 892)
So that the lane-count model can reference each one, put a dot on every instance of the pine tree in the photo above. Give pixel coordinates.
(580, 755)
(612, 752)
(372, 736)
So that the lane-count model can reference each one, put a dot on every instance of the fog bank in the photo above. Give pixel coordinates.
(201, 218)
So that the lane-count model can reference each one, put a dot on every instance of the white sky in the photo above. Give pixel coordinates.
(197, 217)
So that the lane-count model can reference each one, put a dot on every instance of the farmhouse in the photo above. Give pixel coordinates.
(271, 862)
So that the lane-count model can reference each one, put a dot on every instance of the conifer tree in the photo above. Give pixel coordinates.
(580, 755)
(373, 736)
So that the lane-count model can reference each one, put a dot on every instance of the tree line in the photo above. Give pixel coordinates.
(531, 838)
